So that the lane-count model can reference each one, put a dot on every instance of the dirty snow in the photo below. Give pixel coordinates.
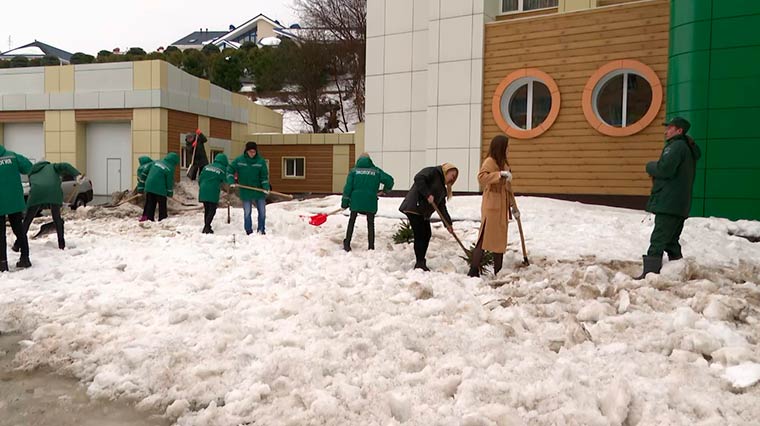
(287, 329)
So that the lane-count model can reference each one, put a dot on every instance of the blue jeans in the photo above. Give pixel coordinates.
(261, 207)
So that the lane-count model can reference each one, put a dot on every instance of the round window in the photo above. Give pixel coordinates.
(526, 103)
(622, 98)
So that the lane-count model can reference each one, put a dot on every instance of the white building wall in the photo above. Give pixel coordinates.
(424, 85)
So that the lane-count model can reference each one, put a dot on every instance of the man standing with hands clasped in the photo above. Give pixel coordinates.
(673, 178)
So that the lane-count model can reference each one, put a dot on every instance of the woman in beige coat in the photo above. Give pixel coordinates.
(495, 178)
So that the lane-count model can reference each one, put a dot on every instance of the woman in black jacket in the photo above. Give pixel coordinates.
(432, 187)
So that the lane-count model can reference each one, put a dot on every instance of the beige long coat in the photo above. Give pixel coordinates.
(494, 210)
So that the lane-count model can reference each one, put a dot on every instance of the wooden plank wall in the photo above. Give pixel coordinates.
(103, 114)
(571, 157)
(221, 129)
(22, 116)
(319, 167)
(613, 2)
(178, 123)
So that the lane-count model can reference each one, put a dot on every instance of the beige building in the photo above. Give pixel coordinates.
(103, 117)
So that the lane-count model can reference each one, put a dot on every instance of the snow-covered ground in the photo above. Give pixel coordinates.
(287, 329)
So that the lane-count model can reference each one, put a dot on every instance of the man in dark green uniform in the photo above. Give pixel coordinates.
(45, 192)
(209, 186)
(250, 169)
(670, 201)
(360, 193)
(12, 166)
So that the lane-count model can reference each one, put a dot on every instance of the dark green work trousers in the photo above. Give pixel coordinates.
(664, 239)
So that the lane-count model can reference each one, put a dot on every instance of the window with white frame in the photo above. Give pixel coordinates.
(526, 103)
(215, 152)
(508, 6)
(622, 98)
(294, 167)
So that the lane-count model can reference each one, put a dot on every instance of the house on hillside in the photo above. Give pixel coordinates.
(260, 30)
(37, 50)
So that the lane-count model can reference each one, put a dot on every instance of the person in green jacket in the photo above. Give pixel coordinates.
(210, 183)
(12, 166)
(250, 169)
(670, 200)
(145, 163)
(45, 192)
(159, 184)
(360, 194)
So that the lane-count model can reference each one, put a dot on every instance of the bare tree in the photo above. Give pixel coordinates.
(345, 22)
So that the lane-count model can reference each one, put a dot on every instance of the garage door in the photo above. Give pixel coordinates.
(28, 139)
(109, 157)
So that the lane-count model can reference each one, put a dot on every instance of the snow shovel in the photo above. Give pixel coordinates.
(48, 227)
(45, 229)
(228, 205)
(124, 201)
(520, 228)
(448, 225)
(319, 219)
(192, 161)
(253, 188)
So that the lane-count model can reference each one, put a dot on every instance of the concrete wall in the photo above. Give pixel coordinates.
(424, 85)
(145, 84)
(140, 92)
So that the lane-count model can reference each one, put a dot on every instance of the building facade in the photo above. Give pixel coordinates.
(581, 87)
(103, 117)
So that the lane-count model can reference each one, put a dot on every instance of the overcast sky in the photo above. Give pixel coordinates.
(93, 25)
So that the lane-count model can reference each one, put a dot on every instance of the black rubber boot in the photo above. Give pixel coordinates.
(422, 265)
(346, 245)
(24, 263)
(3, 266)
(675, 257)
(651, 264)
(474, 272)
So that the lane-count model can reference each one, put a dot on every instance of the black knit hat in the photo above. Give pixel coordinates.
(251, 145)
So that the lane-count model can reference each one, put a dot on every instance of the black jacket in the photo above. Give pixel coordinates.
(200, 151)
(428, 181)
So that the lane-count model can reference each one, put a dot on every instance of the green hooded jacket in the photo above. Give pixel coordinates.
(362, 184)
(211, 179)
(45, 182)
(12, 166)
(250, 172)
(145, 163)
(673, 177)
(159, 176)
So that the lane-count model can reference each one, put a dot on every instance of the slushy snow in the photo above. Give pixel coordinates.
(287, 329)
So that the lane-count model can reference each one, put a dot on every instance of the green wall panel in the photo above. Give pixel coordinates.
(736, 32)
(690, 95)
(740, 62)
(735, 93)
(733, 209)
(734, 123)
(732, 183)
(731, 8)
(697, 207)
(733, 153)
(699, 182)
(683, 39)
(686, 11)
(689, 66)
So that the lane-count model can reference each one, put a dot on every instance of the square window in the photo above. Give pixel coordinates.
(294, 167)
(215, 152)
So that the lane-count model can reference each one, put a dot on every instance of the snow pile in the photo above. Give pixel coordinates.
(288, 329)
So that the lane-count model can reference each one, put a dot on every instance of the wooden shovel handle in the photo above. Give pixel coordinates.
(253, 188)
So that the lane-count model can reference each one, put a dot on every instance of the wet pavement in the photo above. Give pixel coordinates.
(41, 398)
